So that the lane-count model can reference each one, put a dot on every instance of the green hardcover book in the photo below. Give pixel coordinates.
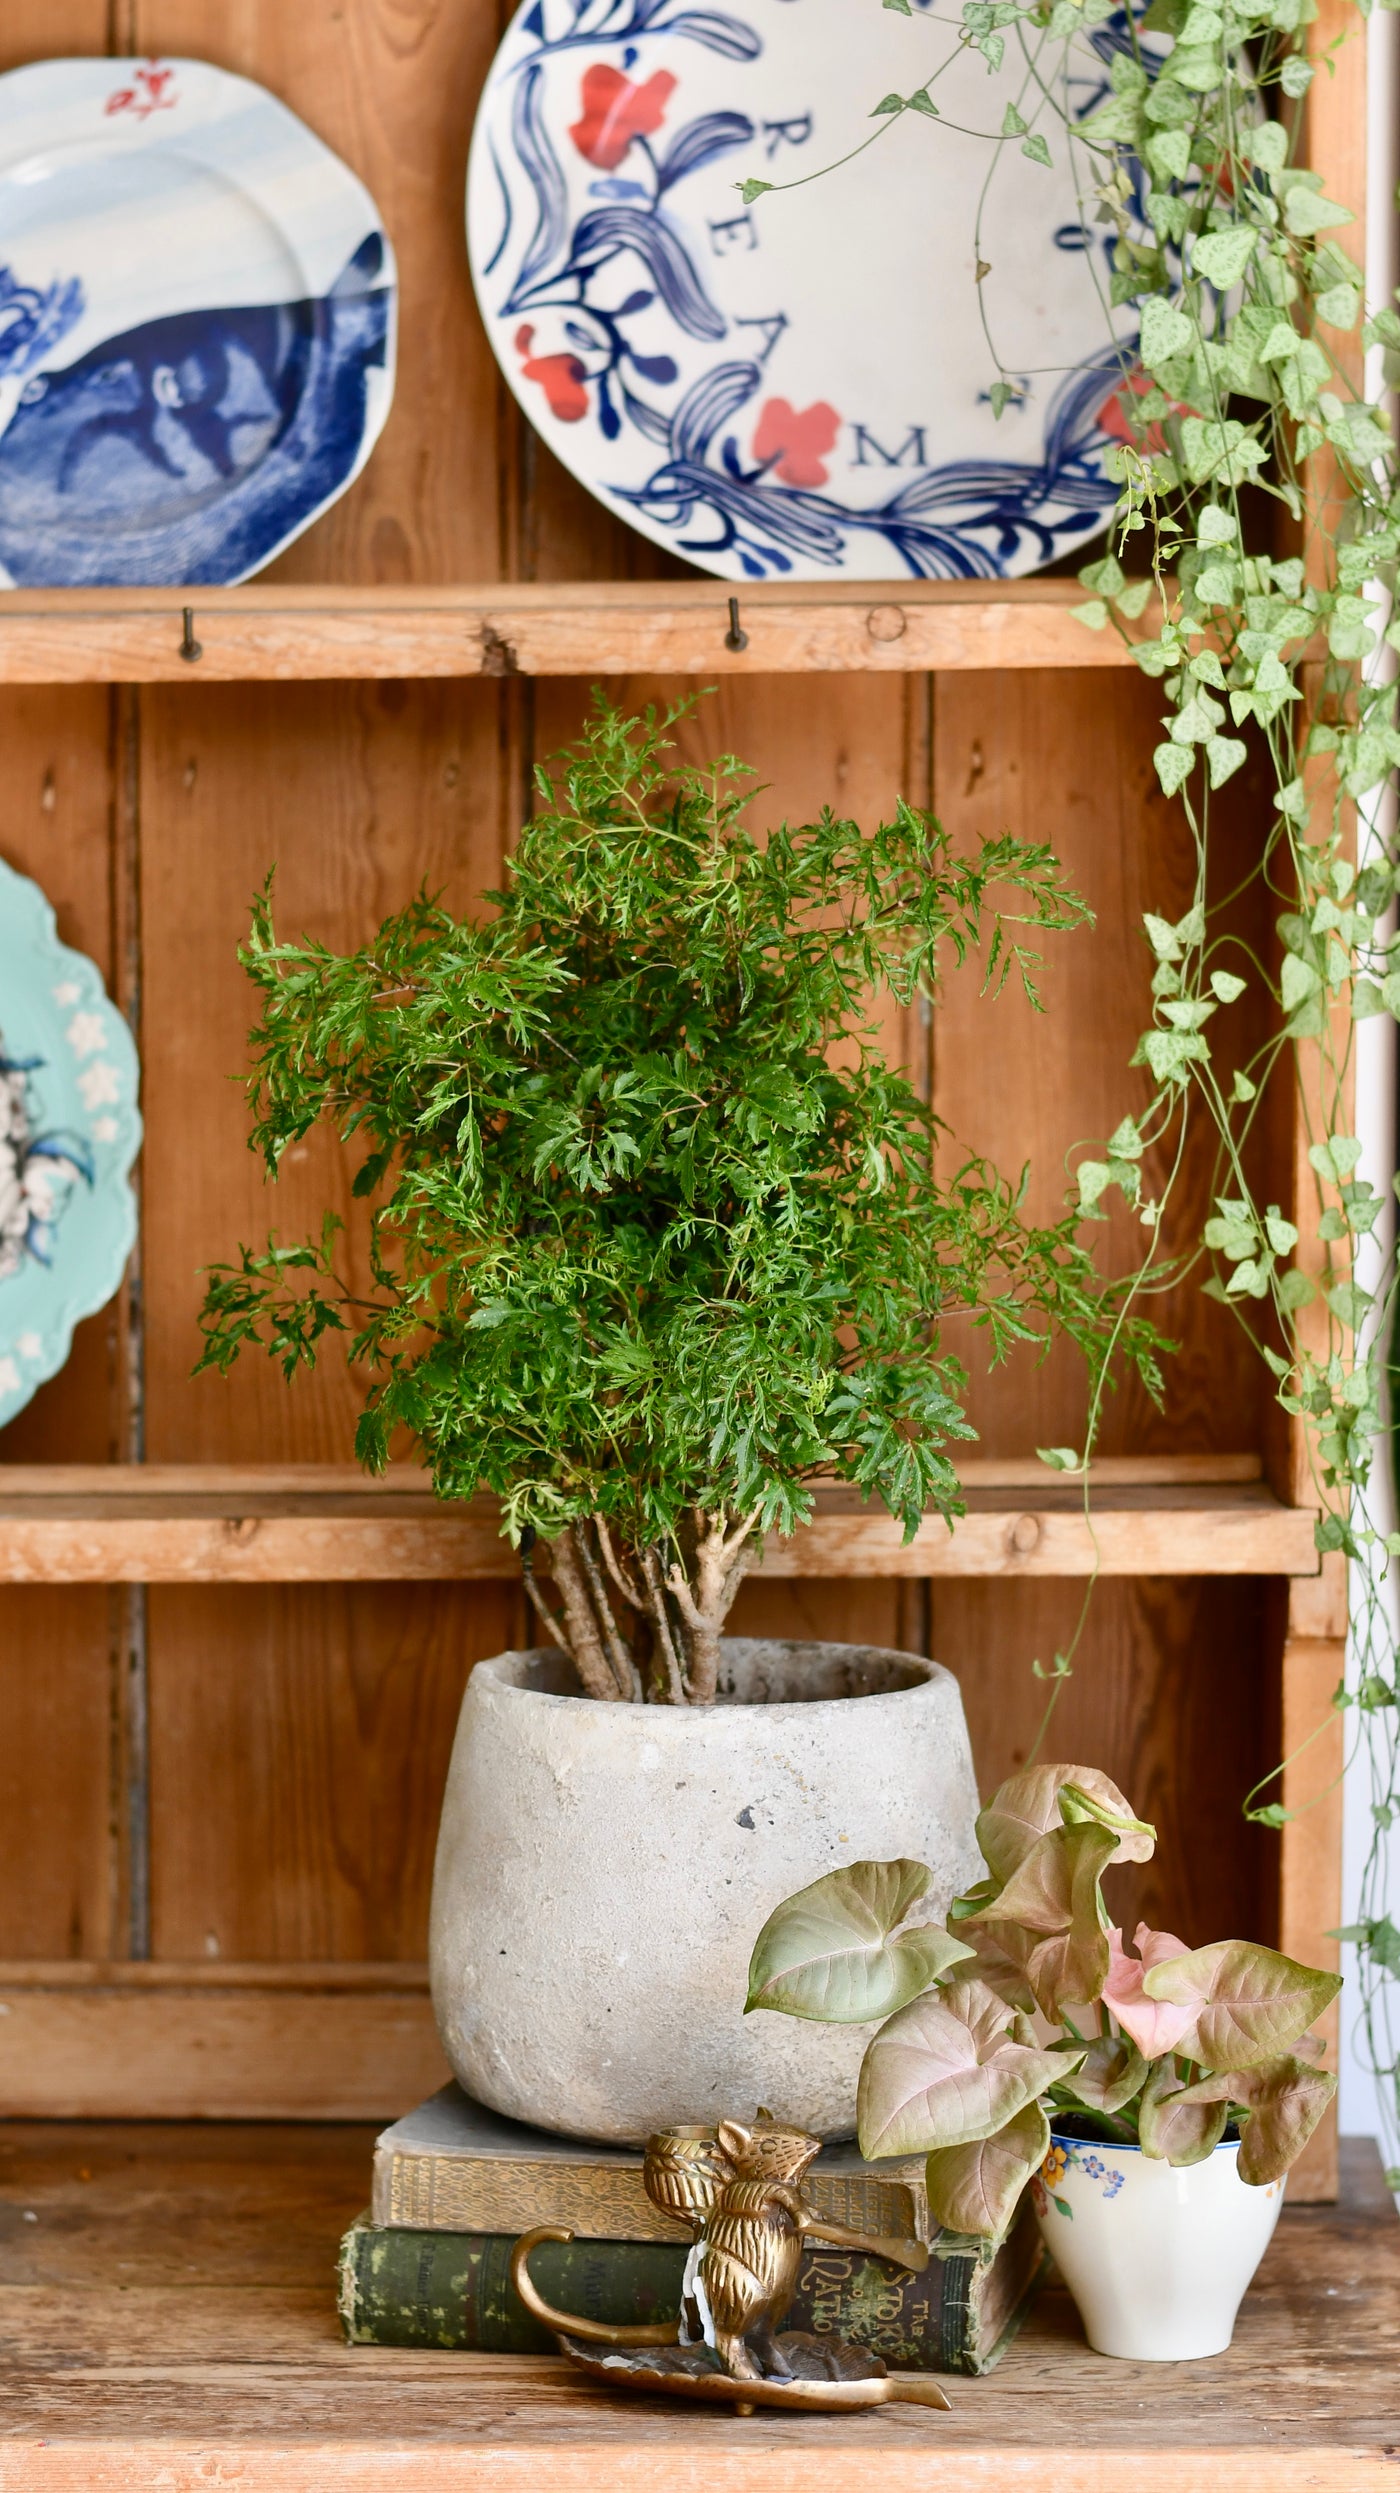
(411, 2286)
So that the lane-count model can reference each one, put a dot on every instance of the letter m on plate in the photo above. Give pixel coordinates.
(871, 453)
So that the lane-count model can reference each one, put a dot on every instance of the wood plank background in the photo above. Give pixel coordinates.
(253, 1774)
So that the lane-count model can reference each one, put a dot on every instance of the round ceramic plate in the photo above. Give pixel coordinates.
(69, 1131)
(196, 324)
(800, 387)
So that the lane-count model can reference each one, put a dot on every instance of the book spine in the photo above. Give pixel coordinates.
(489, 2194)
(402, 2286)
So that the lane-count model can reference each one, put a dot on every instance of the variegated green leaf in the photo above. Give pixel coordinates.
(947, 2070)
(834, 1951)
(1249, 2002)
(976, 2188)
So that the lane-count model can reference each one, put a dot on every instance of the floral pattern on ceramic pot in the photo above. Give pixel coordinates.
(1062, 2158)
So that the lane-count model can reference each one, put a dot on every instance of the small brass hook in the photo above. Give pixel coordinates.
(735, 637)
(190, 648)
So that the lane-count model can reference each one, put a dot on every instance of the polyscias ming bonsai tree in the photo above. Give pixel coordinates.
(658, 1240)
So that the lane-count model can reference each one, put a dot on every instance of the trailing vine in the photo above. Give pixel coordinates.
(1259, 517)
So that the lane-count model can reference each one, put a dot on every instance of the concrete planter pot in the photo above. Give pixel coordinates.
(603, 1871)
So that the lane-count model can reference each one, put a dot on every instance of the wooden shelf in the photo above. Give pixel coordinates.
(207, 1524)
(167, 2317)
(264, 633)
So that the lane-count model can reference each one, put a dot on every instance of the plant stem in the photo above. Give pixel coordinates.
(585, 1643)
(628, 1682)
(662, 1626)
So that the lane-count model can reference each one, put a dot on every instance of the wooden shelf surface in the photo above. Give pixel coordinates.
(167, 2320)
(266, 633)
(209, 1524)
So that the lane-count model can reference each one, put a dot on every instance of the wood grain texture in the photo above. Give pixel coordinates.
(100, 1491)
(1310, 1870)
(34, 30)
(167, 2319)
(1334, 130)
(1068, 761)
(299, 1739)
(272, 634)
(299, 1746)
(59, 1894)
(355, 797)
(1171, 1694)
(264, 2051)
(1226, 1531)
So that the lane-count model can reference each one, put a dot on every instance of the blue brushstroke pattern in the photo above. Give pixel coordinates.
(698, 142)
(546, 178)
(188, 450)
(968, 519)
(603, 232)
(34, 319)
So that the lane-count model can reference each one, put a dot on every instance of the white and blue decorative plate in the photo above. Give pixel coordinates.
(800, 387)
(69, 1131)
(196, 325)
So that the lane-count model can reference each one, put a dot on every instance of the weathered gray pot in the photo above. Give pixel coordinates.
(604, 1870)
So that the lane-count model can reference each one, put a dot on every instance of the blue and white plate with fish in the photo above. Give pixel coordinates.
(197, 309)
(806, 384)
(69, 1131)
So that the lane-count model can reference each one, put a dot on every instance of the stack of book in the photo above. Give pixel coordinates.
(455, 2185)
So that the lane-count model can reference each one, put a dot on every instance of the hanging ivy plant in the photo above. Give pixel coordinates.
(1260, 501)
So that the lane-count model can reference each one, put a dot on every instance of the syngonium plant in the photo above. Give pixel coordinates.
(1026, 2007)
(658, 1239)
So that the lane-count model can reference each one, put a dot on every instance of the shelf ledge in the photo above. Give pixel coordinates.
(168, 2320)
(205, 1524)
(266, 634)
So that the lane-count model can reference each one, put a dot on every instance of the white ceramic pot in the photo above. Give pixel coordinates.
(604, 1870)
(1156, 2255)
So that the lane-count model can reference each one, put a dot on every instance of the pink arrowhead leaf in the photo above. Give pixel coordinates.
(945, 2071)
(1030, 1805)
(1047, 1916)
(1284, 2098)
(975, 2188)
(1154, 2026)
(1110, 2073)
(1280, 2125)
(1175, 2123)
(1246, 2003)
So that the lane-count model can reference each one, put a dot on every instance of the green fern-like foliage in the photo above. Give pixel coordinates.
(659, 1238)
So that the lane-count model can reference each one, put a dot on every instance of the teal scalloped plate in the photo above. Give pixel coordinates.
(69, 1131)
